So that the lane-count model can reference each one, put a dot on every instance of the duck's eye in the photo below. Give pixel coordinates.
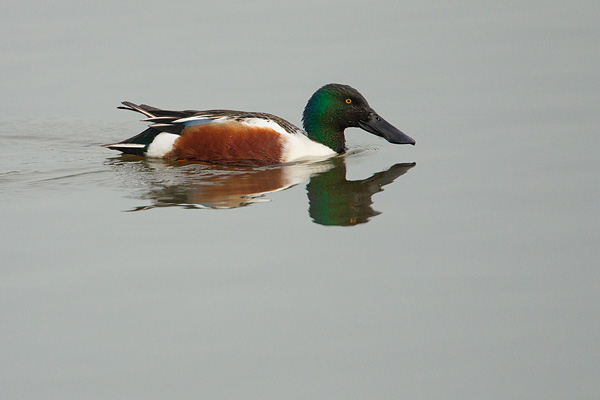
(348, 101)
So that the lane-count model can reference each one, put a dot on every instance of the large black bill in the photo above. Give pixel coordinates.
(380, 127)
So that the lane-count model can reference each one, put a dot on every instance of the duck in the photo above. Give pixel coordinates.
(241, 138)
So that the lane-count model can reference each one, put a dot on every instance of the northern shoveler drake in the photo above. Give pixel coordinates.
(254, 138)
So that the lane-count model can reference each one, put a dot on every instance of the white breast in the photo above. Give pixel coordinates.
(298, 147)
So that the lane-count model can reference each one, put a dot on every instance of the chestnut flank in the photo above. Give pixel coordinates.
(230, 143)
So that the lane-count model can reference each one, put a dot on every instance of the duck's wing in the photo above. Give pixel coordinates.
(175, 121)
(161, 120)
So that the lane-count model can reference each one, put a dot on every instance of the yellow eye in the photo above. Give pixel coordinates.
(348, 101)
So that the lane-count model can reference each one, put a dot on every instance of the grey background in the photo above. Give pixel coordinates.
(478, 280)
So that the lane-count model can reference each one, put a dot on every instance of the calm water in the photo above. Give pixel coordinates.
(465, 267)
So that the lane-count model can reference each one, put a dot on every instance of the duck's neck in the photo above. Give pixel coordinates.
(330, 137)
(319, 121)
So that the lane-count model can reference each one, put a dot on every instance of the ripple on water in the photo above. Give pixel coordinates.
(361, 151)
(49, 155)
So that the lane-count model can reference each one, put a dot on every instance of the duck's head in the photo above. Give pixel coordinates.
(335, 107)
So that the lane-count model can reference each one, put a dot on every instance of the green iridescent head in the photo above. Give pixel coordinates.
(335, 107)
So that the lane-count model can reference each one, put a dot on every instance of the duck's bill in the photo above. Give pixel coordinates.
(380, 127)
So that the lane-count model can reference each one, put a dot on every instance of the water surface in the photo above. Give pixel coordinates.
(463, 267)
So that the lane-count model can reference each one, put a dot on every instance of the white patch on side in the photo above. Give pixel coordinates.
(251, 121)
(125, 146)
(265, 123)
(161, 145)
(300, 147)
(199, 119)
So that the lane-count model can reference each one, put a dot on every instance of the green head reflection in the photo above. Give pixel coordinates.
(334, 200)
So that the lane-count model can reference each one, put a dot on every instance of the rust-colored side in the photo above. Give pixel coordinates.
(230, 143)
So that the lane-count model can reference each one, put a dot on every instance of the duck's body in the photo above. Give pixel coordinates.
(249, 138)
(220, 137)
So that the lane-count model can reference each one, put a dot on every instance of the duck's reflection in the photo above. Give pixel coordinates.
(333, 200)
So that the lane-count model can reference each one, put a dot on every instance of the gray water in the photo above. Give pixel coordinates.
(465, 267)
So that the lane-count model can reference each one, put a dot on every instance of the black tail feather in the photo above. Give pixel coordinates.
(136, 145)
(153, 112)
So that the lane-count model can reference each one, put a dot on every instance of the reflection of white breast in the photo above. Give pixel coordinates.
(296, 174)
